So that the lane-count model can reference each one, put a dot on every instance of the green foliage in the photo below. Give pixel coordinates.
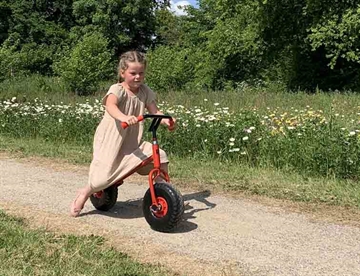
(339, 35)
(302, 44)
(169, 68)
(87, 64)
(126, 24)
(36, 34)
(10, 63)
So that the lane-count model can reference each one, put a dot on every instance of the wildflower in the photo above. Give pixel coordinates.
(245, 138)
(232, 139)
(216, 104)
(13, 99)
(231, 144)
(243, 153)
(218, 152)
(60, 120)
(352, 133)
(205, 100)
(198, 125)
(236, 149)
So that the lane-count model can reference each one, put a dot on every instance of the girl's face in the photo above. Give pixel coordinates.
(134, 75)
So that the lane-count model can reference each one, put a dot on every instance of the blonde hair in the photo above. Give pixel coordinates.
(130, 56)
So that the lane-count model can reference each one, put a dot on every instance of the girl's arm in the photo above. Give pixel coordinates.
(114, 111)
(152, 108)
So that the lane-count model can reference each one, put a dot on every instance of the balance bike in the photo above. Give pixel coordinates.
(163, 205)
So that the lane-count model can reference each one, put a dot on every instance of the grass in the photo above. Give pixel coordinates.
(24, 251)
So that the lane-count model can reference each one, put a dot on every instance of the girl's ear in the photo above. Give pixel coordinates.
(121, 73)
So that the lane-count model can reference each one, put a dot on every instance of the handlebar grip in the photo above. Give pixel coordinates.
(124, 125)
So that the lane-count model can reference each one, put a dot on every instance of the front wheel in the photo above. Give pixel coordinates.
(169, 211)
(105, 199)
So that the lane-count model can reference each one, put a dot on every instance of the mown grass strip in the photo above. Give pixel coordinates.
(197, 173)
(36, 252)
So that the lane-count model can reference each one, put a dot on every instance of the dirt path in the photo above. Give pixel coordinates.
(220, 235)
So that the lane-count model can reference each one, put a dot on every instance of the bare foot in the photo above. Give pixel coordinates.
(78, 204)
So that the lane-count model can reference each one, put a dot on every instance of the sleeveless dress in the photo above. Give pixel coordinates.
(116, 151)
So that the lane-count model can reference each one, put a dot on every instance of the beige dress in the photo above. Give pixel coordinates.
(116, 151)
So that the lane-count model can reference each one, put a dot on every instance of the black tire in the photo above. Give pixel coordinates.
(107, 200)
(175, 208)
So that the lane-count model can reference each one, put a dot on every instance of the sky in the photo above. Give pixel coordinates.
(176, 3)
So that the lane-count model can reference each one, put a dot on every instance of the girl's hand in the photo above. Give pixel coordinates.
(171, 124)
(131, 120)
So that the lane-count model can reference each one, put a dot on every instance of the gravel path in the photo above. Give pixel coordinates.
(220, 235)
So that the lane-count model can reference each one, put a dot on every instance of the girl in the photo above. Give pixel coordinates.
(117, 151)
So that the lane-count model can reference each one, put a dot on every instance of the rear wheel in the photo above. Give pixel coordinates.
(105, 199)
(167, 215)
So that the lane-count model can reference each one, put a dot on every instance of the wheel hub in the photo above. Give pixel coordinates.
(160, 210)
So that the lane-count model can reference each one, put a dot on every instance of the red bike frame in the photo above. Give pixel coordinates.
(155, 158)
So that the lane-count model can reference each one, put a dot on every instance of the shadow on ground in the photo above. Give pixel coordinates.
(132, 209)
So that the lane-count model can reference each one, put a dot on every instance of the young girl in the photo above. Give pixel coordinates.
(117, 151)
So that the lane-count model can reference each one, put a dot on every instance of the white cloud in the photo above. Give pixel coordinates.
(177, 7)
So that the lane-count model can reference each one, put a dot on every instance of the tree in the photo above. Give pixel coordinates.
(126, 24)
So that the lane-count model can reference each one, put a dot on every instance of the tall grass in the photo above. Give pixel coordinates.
(52, 89)
(317, 134)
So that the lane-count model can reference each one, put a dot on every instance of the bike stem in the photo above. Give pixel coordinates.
(156, 171)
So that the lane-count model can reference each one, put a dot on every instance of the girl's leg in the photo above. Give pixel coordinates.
(79, 201)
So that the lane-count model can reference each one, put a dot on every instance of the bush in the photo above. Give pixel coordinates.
(31, 59)
(169, 68)
(86, 65)
(10, 63)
